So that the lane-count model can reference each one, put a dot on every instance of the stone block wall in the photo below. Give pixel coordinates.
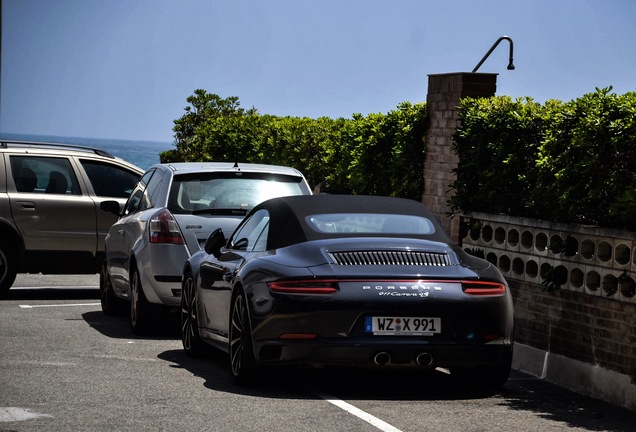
(595, 330)
(588, 311)
(587, 314)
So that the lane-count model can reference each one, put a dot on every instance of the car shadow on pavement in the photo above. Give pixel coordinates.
(118, 326)
(549, 401)
(306, 383)
(53, 293)
(522, 392)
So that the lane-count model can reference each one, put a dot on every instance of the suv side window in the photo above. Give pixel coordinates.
(110, 180)
(40, 174)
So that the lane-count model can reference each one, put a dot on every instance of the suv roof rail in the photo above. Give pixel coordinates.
(15, 143)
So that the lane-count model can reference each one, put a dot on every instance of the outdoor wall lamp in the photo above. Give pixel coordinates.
(511, 66)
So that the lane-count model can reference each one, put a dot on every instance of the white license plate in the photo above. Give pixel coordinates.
(402, 326)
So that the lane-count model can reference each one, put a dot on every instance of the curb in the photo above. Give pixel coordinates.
(575, 375)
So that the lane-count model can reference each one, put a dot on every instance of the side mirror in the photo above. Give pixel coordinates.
(215, 242)
(110, 207)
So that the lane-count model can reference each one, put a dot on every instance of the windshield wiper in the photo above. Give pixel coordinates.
(222, 211)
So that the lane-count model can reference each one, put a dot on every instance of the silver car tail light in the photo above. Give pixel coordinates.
(164, 228)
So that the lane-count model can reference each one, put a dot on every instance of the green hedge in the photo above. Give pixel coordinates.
(377, 154)
(569, 162)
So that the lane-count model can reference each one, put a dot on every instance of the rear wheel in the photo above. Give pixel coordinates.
(111, 304)
(242, 361)
(192, 343)
(142, 312)
(8, 266)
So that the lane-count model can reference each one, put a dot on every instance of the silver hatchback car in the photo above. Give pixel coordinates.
(167, 218)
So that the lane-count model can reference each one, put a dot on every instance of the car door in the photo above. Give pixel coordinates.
(53, 212)
(217, 275)
(124, 233)
(108, 181)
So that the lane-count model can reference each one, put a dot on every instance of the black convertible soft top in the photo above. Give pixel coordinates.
(288, 216)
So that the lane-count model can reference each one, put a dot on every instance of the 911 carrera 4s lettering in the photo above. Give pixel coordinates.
(403, 294)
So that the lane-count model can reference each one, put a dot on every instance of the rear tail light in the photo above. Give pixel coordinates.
(483, 288)
(304, 286)
(164, 228)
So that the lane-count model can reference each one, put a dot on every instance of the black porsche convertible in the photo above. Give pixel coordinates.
(353, 281)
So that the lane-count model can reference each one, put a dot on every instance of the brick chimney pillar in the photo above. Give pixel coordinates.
(442, 101)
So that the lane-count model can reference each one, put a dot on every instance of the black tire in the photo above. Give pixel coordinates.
(8, 266)
(111, 304)
(190, 338)
(142, 312)
(242, 361)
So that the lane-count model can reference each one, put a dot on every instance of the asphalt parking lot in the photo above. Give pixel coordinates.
(65, 366)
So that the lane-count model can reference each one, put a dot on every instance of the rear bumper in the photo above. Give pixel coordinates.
(393, 354)
(160, 267)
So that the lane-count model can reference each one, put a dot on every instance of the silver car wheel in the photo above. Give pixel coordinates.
(142, 313)
(134, 300)
(111, 304)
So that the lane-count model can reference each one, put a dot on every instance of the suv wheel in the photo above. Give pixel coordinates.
(8, 266)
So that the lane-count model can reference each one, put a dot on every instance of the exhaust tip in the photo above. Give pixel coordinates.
(382, 358)
(424, 359)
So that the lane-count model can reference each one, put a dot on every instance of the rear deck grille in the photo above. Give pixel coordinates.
(407, 258)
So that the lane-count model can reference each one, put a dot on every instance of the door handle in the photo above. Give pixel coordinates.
(26, 205)
(121, 231)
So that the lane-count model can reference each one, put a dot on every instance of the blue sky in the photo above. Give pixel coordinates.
(122, 69)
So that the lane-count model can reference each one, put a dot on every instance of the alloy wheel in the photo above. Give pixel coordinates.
(134, 301)
(189, 321)
(237, 331)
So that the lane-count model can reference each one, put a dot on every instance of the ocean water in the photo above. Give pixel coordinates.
(141, 153)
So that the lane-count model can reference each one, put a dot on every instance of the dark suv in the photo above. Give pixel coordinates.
(50, 216)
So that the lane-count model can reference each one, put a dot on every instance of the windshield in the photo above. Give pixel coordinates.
(231, 193)
(370, 223)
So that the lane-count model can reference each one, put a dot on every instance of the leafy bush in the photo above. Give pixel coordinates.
(497, 145)
(378, 154)
(570, 162)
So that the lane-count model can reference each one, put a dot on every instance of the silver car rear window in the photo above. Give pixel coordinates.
(193, 194)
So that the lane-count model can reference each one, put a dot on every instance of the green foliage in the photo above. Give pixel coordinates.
(587, 163)
(377, 154)
(571, 162)
(497, 146)
(388, 152)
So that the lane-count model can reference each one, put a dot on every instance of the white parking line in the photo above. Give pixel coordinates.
(363, 415)
(16, 288)
(12, 414)
(58, 305)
